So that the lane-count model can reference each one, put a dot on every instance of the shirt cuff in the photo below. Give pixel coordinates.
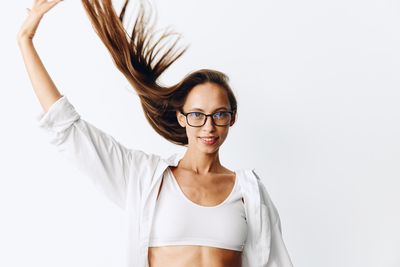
(59, 116)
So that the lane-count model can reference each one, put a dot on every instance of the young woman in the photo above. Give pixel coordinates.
(185, 210)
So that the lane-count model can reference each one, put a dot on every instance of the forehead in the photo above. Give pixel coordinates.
(208, 97)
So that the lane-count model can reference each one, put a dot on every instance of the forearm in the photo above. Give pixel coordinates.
(42, 84)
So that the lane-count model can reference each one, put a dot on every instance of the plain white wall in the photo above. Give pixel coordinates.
(317, 84)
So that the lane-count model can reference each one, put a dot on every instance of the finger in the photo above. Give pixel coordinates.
(38, 3)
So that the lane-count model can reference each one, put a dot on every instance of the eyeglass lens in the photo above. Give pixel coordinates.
(198, 118)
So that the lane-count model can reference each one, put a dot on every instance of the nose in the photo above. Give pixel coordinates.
(209, 123)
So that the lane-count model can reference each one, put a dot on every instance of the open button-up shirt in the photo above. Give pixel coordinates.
(131, 179)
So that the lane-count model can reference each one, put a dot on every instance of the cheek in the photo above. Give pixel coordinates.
(223, 135)
(191, 132)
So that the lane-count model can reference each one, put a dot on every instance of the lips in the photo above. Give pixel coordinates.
(209, 140)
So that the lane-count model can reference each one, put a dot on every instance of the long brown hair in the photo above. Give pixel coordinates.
(135, 57)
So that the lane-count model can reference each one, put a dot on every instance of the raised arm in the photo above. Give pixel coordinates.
(110, 165)
(42, 83)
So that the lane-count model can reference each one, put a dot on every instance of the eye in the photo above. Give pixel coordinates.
(196, 115)
(221, 114)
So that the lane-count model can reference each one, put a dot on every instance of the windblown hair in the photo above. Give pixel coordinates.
(135, 57)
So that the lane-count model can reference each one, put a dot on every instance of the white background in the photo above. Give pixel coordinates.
(317, 84)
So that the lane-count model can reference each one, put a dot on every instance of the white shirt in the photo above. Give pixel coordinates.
(131, 178)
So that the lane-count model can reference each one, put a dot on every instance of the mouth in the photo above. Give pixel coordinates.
(209, 140)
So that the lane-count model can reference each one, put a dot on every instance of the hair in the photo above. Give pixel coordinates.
(134, 56)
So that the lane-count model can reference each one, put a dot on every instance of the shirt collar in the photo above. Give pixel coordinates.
(174, 159)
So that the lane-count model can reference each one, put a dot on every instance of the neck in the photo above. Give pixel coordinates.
(200, 162)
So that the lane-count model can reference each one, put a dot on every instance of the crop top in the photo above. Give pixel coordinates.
(179, 221)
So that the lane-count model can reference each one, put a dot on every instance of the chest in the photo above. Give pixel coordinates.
(181, 220)
(210, 191)
(251, 202)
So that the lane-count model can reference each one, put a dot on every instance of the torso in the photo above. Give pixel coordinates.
(205, 191)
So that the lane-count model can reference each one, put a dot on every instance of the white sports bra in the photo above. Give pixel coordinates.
(179, 221)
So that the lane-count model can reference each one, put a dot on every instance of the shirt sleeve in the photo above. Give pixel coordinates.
(278, 254)
(95, 153)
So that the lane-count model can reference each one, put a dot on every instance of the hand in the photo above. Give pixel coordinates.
(35, 14)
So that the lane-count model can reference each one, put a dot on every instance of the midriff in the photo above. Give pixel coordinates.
(193, 256)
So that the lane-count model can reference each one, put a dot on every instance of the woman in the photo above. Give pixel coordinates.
(185, 210)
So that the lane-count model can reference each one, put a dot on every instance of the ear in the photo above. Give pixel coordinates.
(181, 118)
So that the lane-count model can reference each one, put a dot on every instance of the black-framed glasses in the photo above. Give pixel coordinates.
(198, 119)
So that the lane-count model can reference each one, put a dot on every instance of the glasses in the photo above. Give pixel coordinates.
(198, 119)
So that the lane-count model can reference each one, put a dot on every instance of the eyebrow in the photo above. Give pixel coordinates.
(199, 109)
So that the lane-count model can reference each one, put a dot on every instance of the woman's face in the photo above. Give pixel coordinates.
(206, 98)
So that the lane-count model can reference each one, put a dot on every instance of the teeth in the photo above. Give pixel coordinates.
(208, 139)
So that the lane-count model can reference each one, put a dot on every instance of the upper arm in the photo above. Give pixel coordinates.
(95, 153)
(278, 255)
(266, 200)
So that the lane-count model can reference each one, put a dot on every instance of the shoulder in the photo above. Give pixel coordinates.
(141, 158)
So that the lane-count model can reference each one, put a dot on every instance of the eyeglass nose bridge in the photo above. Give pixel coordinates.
(205, 120)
